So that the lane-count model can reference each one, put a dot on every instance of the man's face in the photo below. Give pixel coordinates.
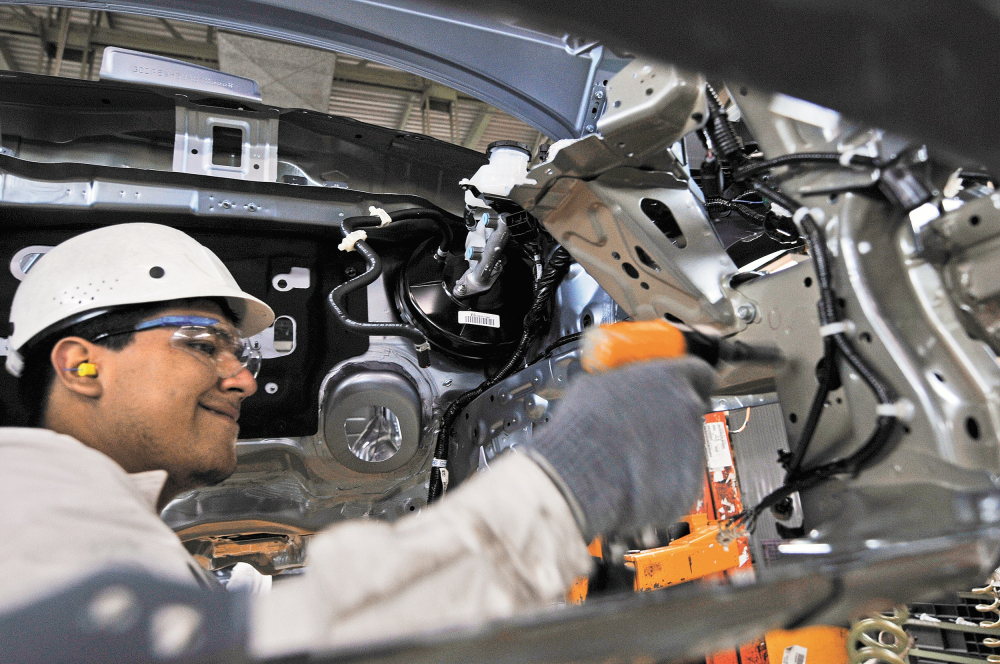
(171, 409)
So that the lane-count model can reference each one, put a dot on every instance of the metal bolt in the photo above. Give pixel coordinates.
(599, 94)
(271, 388)
(461, 289)
(589, 129)
(252, 207)
(350, 272)
(225, 205)
(447, 383)
(747, 312)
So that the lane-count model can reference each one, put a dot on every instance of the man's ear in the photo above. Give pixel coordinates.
(73, 360)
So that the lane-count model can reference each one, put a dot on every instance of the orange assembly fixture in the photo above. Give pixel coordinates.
(693, 556)
(699, 554)
(578, 591)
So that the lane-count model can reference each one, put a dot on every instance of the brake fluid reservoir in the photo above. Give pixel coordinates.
(508, 167)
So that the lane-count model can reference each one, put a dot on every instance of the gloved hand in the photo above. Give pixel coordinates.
(628, 446)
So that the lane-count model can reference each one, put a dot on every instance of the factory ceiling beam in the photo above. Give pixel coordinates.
(9, 61)
(383, 78)
(386, 79)
(408, 111)
(171, 29)
(76, 39)
(479, 127)
(64, 15)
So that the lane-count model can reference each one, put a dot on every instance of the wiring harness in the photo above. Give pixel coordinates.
(836, 344)
(534, 322)
(355, 231)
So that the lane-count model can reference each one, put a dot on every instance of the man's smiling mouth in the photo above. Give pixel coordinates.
(228, 412)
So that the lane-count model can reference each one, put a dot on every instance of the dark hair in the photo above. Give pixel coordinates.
(38, 373)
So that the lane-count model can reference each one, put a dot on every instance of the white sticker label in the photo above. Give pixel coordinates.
(794, 655)
(717, 446)
(478, 318)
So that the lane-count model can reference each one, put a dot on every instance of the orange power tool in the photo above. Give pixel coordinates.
(617, 344)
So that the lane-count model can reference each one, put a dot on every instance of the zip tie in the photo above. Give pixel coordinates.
(347, 244)
(818, 215)
(830, 329)
(381, 214)
(439, 463)
(902, 410)
(845, 158)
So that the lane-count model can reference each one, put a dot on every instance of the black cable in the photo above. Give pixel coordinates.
(819, 401)
(834, 345)
(372, 272)
(444, 224)
(545, 286)
(769, 222)
(976, 176)
(749, 170)
(561, 341)
(721, 130)
(742, 208)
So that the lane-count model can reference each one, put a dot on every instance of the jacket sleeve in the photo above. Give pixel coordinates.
(503, 543)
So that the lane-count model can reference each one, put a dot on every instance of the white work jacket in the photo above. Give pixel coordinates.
(503, 543)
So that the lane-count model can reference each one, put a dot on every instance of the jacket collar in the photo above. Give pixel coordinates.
(150, 484)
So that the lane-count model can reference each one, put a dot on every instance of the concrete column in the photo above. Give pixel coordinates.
(289, 76)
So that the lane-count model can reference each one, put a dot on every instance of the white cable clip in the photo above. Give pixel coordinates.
(817, 214)
(381, 214)
(903, 410)
(845, 157)
(830, 329)
(347, 244)
(439, 463)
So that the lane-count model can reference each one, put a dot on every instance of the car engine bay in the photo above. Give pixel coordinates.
(431, 299)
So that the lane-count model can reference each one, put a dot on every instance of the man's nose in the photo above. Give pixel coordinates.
(241, 381)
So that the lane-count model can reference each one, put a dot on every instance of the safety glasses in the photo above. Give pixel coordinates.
(210, 340)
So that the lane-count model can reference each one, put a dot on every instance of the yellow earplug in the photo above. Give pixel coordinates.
(85, 369)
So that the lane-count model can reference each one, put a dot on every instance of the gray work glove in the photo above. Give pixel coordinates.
(627, 444)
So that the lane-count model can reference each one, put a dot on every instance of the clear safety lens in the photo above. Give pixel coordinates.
(225, 351)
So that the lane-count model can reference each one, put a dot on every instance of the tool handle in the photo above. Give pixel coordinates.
(610, 346)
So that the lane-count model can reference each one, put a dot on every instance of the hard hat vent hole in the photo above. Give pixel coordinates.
(156, 272)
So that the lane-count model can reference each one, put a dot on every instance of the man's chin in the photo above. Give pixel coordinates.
(211, 477)
(215, 470)
(181, 482)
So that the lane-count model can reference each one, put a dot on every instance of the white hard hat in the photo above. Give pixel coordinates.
(122, 265)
